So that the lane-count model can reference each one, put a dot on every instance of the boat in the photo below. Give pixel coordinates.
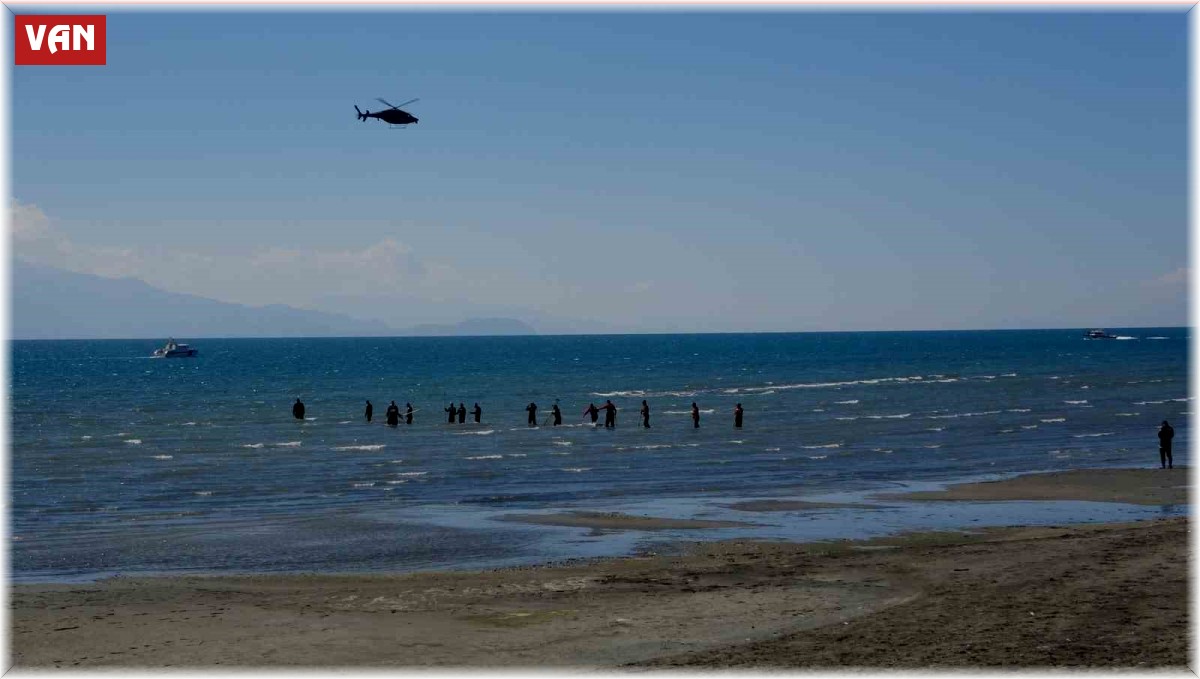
(1099, 334)
(174, 349)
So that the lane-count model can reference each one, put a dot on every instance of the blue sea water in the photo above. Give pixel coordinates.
(121, 463)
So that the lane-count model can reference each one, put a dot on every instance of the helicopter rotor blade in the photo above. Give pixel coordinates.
(394, 105)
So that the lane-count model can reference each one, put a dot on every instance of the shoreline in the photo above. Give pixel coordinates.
(1112, 595)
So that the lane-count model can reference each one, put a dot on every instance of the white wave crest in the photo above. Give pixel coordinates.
(1088, 436)
(484, 457)
(826, 445)
(411, 473)
(377, 446)
(287, 444)
(889, 417)
(850, 402)
(164, 457)
(1050, 420)
(957, 415)
(483, 432)
(577, 470)
(1076, 402)
(254, 445)
(134, 442)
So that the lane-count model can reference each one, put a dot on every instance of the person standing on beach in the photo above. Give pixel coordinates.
(532, 410)
(593, 411)
(695, 416)
(408, 414)
(393, 415)
(1165, 434)
(610, 414)
(298, 410)
(737, 417)
(645, 414)
(477, 412)
(557, 414)
(371, 411)
(462, 413)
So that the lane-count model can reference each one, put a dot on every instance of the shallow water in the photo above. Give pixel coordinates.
(122, 463)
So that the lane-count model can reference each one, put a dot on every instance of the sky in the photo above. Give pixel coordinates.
(639, 171)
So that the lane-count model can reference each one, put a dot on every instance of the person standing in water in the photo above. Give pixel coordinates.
(477, 412)
(393, 415)
(593, 411)
(645, 414)
(695, 416)
(408, 414)
(370, 411)
(737, 416)
(557, 414)
(532, 410)
(1165, 433)
(610, 414)
(462, 413)
(298, 410)
(452, 411)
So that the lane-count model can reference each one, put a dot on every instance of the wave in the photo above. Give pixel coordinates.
(1018, 410)
(1029, 426)
(1085, 436)
(957, 415)
(483, 432)
(771, 450)
(516, 455)
(163, 457)
(253, 445)
(1125, 337)
(850, 402)
(640, 393)
(411, 473)
(703, 411)
(1158, 338)
(826, 445)
(135, 442)
(817, 457)
(484, 457)
(287, 444)
(576, 470)
(1054, 419)
(1076, 402)
(377, 446)
(563, 443)
(1146, 403)
(846, 419)
(936, 429)
(1127, 414)
(888, 417)
(364, 484)
(86, 438)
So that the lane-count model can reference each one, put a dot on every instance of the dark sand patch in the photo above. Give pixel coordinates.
(795, 505)
(616, 521)
(1131, 486)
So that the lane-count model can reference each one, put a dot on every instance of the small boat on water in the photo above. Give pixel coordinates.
(1099, 334)
(174, 349)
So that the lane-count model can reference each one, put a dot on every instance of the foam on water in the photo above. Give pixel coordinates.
(377, 446)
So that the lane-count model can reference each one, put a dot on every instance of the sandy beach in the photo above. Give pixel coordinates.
(1100, 595)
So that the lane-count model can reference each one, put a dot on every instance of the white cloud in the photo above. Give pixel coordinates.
(273, 275)
(1176, 278)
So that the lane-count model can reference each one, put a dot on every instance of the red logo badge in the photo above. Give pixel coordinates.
(60, 40)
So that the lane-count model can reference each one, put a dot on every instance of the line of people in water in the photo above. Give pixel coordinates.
(459, 414)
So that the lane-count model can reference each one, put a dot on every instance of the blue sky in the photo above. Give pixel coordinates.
(647, 171)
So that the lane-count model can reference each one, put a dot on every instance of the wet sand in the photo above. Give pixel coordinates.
(1130, 486)
(1110, 595)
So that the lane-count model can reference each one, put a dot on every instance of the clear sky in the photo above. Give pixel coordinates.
(649, 171)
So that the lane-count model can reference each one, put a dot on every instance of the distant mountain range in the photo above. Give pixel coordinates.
(49, 303)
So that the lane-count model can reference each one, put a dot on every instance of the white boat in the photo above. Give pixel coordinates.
(1099, 334)
(174, 349)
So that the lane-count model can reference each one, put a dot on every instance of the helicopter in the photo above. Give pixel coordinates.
(391, 116)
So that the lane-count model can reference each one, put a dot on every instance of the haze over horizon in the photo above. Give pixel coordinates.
(687, 172)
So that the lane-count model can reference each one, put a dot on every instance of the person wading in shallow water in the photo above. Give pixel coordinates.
(610, 414)
(370, 411)
(452, 412)
(408, 414)
(645, 414)
(737, 416)
(1165, 434)
(462, 413)
(477, 412)
(695, 416)
(557, 414)
(593, 411)
(298, 410)
(532, 410)
(393, 415)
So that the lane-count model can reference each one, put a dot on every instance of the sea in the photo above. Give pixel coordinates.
(124, 464)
